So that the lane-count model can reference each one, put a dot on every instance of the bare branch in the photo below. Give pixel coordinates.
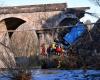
(96, 2)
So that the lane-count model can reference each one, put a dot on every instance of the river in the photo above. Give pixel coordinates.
(45, 74)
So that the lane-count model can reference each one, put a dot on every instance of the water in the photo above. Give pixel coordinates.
(66, 75)
(40, 74)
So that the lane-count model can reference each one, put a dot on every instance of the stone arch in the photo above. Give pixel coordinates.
(68, 21)
(23, 43)
(12, 23)
(61, 17)
(22, 17)
(64, 20)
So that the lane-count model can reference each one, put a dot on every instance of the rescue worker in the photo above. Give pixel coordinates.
(58, 50)
(53, 47)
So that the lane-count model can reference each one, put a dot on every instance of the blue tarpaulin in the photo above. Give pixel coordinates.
(76, 32)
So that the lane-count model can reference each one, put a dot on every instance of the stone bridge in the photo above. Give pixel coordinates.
(33, 18)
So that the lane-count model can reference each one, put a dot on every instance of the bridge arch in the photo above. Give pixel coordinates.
(19, 41)
(66, 20)
(12, 23)
(22, 17)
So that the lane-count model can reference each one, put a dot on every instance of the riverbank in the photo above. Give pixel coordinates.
(68, 62)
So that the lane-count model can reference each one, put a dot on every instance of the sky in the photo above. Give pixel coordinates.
(70, 3)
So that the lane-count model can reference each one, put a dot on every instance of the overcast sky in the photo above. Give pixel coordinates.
(70, 3)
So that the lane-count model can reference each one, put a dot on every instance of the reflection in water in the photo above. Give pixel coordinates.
(45, 74)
